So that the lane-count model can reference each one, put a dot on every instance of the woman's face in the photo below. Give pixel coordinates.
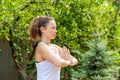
(50, 30)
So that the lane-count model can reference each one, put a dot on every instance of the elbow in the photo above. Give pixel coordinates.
(74, 62)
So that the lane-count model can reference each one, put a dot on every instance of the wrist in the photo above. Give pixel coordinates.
(69, 62)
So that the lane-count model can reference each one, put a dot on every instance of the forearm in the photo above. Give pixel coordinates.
(63, 63)
(73, 61)
(66, 63)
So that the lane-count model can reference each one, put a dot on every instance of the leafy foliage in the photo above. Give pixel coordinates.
(76, 20)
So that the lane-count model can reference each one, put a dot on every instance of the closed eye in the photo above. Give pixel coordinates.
(53, 27)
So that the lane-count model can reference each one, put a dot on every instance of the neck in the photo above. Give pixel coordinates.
(45, 40)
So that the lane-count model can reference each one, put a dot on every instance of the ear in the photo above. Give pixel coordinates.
(42, 29)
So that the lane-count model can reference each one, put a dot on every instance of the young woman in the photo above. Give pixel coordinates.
(49, 57)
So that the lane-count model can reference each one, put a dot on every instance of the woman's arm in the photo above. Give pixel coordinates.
(65, 54)
(45, 52)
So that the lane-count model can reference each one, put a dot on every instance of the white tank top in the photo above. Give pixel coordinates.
(46, 70)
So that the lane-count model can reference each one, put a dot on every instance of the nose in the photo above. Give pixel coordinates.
(55, 30)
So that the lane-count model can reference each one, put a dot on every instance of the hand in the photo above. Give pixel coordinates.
(66, 53)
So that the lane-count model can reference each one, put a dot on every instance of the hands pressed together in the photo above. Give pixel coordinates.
(67, 56)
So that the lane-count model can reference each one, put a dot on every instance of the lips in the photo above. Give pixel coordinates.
(54, 34)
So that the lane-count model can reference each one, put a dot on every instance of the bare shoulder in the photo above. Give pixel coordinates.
(39, 53)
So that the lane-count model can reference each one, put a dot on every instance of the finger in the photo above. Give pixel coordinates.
(64, 49)
(68, 51)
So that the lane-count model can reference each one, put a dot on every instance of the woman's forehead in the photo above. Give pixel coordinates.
(52, 23)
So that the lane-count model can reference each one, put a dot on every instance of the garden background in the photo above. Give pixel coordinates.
(89, 28)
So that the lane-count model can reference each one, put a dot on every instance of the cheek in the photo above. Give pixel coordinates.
(49, 32)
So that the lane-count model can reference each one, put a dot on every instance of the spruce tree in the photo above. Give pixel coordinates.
(98, 63)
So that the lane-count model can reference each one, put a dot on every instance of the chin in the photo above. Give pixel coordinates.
(53, 38)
